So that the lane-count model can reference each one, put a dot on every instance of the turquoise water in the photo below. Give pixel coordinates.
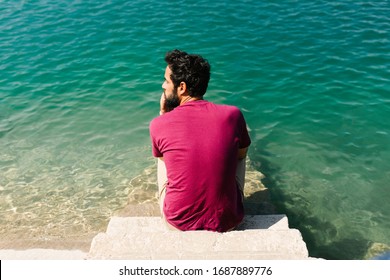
(81, 80)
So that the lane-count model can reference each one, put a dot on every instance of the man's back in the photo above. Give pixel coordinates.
(199, 142)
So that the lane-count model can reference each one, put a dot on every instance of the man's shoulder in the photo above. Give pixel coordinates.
(225, 107)
(161, 120)
(161, 117)
(155, 122)
(229, 109)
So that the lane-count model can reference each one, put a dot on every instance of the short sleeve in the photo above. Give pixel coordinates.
(155, 149)
(245, 140)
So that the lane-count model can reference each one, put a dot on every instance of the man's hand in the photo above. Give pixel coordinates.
(162, 103)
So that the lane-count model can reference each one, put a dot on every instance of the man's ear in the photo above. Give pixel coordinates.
(182, 89)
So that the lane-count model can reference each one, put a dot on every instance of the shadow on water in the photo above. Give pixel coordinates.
(319, 235)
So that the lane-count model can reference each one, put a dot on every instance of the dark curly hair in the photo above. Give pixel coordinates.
(192, 69)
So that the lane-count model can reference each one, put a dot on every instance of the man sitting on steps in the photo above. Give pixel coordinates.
(201, 149)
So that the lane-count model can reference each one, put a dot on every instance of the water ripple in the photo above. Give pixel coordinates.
(80, 81)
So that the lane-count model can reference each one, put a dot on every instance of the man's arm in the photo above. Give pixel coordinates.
(162, 103)
(242, 153)
(241, 169)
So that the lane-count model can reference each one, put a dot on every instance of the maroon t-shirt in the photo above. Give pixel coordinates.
(199, 141)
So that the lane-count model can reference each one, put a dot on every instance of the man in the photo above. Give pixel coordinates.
(201, 149)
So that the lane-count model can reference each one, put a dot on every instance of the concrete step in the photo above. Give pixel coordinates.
(123, 225)
(258, 237)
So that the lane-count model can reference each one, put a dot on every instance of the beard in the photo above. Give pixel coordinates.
(172, 101)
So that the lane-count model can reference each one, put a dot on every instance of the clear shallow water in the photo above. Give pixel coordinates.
(80, 81)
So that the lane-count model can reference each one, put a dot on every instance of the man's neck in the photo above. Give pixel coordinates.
(189, 99)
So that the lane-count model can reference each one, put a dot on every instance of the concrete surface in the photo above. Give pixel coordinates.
(258, 237)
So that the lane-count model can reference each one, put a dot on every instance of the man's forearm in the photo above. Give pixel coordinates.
(242, 153)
